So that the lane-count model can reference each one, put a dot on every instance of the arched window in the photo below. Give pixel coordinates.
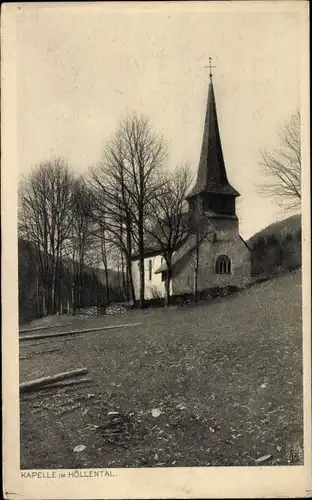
(223, 264)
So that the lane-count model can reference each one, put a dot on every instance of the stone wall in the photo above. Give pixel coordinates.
(234, 247)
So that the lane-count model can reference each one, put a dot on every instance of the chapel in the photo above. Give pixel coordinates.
(222, 258)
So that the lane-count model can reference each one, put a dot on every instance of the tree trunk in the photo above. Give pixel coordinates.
(38, 299)
(130, 293)
(48, 298)
(123, 273)
(129, 276)
(196, 275)
(104, 259)
(130, 285)
(45, 302)
(195, 284)
(168, 280)
(142, 282)
(167, 292)
(118, 278)
(80, 301)
(98, 303)
(73, 301)
(106, 281)
(57, 281)
(59, 290)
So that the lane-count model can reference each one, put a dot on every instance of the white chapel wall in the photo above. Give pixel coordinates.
(154, 286)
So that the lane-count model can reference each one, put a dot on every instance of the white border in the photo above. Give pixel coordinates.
(200, 482)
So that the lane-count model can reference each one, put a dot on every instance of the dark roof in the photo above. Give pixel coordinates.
(211, 175)
(245, 242)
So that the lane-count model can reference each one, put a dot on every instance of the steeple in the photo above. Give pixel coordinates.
(212, 185)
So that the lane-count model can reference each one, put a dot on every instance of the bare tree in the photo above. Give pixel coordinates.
(81, 240)
(45, 219)
(111, 211)
(282, 168)
(127, 179)
(118, 263)
(167, 224)
(93, 262)
(143, 154)
(105, 253)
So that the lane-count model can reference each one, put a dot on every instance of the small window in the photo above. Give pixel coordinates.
(161, 260)
(223, 264)
(150, 269)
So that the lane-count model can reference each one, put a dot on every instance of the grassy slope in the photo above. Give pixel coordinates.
(235, 365)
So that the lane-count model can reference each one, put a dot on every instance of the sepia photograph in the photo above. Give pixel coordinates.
(160, 234)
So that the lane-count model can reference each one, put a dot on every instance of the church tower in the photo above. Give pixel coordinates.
(212, 196)
(213, 255)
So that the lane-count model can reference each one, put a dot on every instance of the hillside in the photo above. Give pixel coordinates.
(280, 229)
(277, 247)
(225, 378)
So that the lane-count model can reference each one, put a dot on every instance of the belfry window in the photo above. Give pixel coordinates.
(150, 269)
(223, 264)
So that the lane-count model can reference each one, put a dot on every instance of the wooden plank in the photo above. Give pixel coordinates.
(74, 332)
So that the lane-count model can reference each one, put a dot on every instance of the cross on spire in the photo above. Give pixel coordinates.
(210, 68)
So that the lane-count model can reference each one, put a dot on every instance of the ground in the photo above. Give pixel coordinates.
(225, 379)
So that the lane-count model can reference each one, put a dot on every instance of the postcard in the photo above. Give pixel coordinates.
(156, 270)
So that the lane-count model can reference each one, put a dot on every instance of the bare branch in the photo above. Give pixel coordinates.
(282, 168)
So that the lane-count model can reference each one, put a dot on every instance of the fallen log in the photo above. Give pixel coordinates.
(43, 328)
(42, 342)
(47, 350)
(45, 381)
(74, 332)
(34, 353)
(72, 338)
(65, 383)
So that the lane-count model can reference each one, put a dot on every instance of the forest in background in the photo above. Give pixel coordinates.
(94, 291)
(276, 248)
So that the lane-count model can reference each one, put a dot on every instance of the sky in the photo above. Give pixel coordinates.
(81, 69)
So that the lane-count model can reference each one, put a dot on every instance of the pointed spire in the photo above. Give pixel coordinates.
(211, 175)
